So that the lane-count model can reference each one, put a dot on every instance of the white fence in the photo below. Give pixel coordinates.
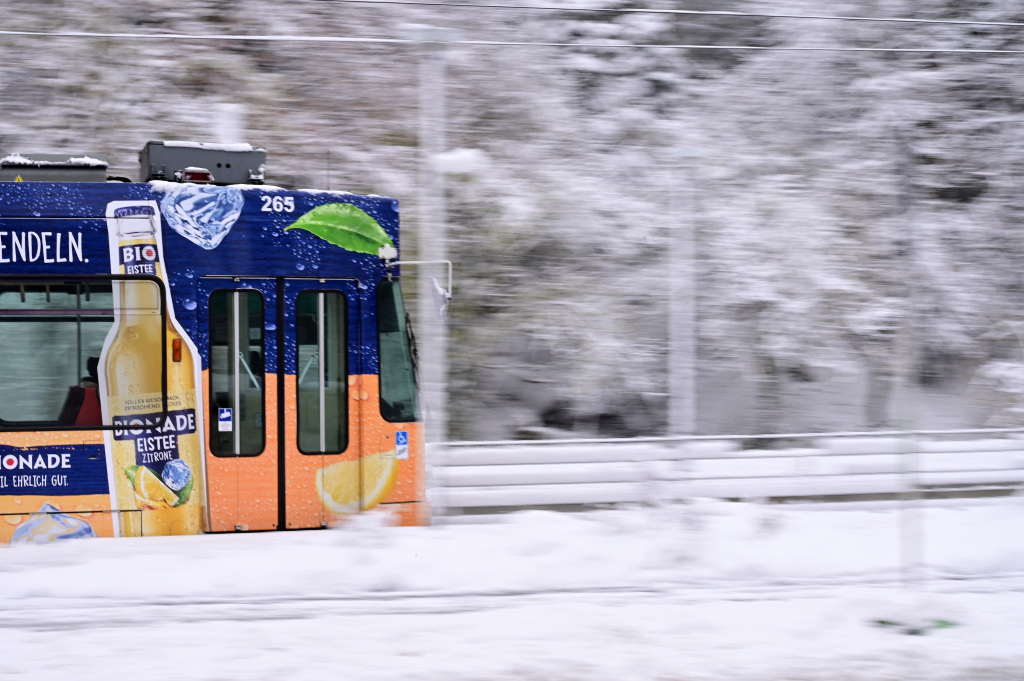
(501, 476)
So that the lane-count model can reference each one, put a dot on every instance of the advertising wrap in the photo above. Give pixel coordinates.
(182, 358)
(155, 457)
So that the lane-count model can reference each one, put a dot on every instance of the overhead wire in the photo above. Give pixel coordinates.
(690, 12)
(495, 43)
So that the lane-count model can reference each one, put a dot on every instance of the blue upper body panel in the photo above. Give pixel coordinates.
(255, 242)
(54, 228)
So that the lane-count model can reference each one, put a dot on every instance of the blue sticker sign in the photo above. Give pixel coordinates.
(224, 419)
(402, 444)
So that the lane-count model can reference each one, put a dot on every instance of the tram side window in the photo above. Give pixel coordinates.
(398, 401)
(51, 337)
(322, 380)
(236, 373)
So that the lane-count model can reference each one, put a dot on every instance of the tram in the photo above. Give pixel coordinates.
(199, 351)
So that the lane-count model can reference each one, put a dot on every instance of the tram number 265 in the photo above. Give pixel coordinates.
(277, 204)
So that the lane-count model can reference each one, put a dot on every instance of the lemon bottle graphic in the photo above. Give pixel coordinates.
(155, 464)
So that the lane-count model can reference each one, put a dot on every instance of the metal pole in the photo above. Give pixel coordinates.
(912, 540)
(432, 239)
(321, 351)
(236, 388)
(682, 307)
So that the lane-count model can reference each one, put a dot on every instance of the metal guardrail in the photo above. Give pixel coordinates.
(483, 477)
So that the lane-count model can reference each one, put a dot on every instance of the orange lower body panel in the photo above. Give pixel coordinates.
(90, 514)
(242, 491)
(320, 489)
(381, 468)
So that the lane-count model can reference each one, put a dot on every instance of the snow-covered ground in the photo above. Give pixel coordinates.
(700, 591)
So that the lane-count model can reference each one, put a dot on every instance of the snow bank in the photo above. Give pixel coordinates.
(707, 591)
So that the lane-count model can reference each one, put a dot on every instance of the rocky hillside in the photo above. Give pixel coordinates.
(856, 213)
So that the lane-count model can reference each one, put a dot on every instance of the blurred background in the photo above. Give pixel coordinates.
(825, 239)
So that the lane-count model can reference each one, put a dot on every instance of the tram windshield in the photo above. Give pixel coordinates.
(398, 401)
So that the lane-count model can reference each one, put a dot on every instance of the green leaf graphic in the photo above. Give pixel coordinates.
(346, 226)
(185, 492)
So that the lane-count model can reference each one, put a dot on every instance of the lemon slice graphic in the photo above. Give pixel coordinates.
(151, 492)
(339, 483)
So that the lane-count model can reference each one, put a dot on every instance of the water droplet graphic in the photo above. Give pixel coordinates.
(190, 304)
(300, 266)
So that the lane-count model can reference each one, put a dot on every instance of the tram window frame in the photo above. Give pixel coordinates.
(237, 413)
(339, 349)
(399, 399)
(89, 285)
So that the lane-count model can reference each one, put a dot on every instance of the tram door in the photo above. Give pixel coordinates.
(240, 389)
(322, 401)
(278, 391)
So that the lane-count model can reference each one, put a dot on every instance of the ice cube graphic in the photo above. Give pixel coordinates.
(49, 524)
(176, 474)
(203, 215)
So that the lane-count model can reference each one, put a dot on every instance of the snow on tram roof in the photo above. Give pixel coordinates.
(17, 159)
(240, 146)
